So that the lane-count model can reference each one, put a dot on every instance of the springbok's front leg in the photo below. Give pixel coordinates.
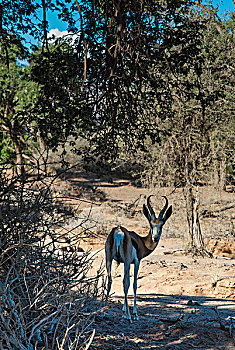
(126, 285)
(136, 269)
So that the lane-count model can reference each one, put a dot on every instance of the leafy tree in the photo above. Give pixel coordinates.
(130, 85)
(199, 134)
(137, 73)
(120, 60)
(18, 94)
(111, 84)
(59, 106)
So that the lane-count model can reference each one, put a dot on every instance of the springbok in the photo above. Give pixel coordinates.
(129, 248)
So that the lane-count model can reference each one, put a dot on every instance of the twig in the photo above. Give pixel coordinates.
(225, 325)
(90, 340)
(65, 336)
(42, 321)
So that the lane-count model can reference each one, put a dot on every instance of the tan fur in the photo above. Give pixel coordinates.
(129, 248)
(143, 247)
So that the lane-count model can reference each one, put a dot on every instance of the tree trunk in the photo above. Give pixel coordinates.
(188, 194)
(222, 183)
(216, 174)
(13, 133)
(220, 173)
(42, 154)
(19, 158)
(196, 242)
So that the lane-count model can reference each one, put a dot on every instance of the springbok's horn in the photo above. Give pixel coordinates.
(160, 216)
(153, 216)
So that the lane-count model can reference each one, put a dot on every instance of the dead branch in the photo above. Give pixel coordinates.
(227, 325)
(205, 213)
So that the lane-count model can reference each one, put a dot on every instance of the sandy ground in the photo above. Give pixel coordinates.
(184, 302)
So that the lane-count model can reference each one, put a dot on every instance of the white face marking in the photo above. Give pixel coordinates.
(156, 231)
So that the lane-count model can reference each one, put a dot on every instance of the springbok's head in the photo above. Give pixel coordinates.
(156, 224)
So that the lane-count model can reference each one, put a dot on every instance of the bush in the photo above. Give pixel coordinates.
(47, 299)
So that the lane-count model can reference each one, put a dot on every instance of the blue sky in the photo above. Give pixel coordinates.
(226, 5)
(59, 28)
(55, 23)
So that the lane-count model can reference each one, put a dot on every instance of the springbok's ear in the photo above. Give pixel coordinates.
(168, 214)
(146, 212)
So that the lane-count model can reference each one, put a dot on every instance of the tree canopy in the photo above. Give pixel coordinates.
(127, 72)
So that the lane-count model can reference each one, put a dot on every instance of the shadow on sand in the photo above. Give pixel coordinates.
(167, 322)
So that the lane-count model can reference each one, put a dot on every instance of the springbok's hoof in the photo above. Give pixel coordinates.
(127, 318)
(135, 317)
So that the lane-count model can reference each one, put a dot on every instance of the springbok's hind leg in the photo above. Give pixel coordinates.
(109, 282)
(136, 269)
(126, 285)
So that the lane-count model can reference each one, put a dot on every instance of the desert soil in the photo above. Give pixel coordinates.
(184, 302)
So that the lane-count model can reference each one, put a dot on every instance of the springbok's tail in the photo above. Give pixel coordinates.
(118, 239)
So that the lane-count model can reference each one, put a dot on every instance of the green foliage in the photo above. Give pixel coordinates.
(7, 149)
(137, 74)
(60, 102)
(196, 143)
(17, 98)
(132, 49)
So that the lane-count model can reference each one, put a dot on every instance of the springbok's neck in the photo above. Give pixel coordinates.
(148, 241)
